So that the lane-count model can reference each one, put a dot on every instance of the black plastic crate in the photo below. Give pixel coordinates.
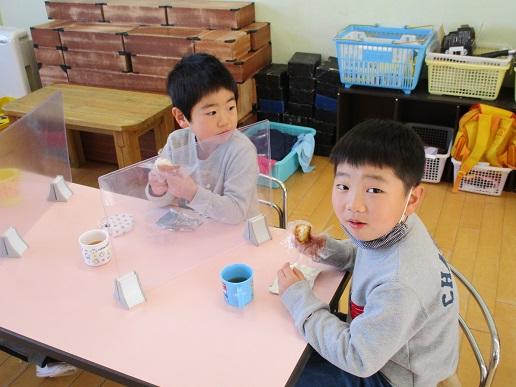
(303, 64)
(274, 75)
(302, 83)
(274, 117)
(324, 127)
(325, 116)
(297, 120)
(322, 150)
(328, 71)
(301, 96)
(323, 138)
(266, 92)
(300, 109)
(327, 89)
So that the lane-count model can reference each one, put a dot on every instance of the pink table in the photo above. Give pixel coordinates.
(184, 335)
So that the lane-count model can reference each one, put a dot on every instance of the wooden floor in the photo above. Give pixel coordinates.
(477, 233)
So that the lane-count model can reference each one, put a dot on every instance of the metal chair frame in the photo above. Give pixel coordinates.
(487, 372)
(282, 211)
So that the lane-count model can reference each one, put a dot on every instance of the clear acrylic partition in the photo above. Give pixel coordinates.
(33, 151)
(166, 238)
(259, 134)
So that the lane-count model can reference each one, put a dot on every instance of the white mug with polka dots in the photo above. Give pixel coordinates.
(95, 247)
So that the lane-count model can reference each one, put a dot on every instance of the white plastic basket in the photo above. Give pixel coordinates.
(434, 167)
(482, 178)
(440, 137)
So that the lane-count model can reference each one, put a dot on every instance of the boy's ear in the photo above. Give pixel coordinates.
(180, 118)
(416, 196)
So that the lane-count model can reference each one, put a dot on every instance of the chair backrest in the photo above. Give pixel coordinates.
(282, 211)
(487, 372)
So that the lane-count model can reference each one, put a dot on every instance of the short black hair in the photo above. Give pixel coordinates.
(196, 76)
(383, 143)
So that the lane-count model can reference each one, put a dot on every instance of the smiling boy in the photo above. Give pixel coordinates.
(402, 324)
(224, 183)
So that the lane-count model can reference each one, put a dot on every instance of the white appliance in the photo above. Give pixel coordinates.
(18, 69)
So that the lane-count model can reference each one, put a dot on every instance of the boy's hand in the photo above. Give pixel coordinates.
(180, 186)
(158, 183)
(288, 276)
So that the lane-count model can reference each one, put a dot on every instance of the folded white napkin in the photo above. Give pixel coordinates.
(310, 274)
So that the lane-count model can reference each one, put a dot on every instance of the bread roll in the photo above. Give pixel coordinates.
(302, 233)
(165, 165)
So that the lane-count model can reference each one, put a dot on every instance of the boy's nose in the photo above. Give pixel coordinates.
(355, 202)
(223, 119)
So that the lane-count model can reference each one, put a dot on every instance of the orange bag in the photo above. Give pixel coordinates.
(486, 133)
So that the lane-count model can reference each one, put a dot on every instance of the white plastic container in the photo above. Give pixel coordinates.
(18, 72)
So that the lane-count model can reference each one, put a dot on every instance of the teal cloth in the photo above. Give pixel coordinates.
(304, 147)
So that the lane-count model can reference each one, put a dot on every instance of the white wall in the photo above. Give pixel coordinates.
(23, 13)
(310, 25)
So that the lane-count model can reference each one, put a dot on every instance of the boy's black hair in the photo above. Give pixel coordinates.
(196, 76)
(383, 143)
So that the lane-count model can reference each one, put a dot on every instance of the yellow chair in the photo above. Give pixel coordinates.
(4, 120)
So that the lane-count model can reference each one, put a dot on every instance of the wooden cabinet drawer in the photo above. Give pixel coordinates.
(52, 74)
(211, 14)
(135, 11)
(47, 34)
(118, 80)
(95, 37)
(224, 44)
(260, 33)
(49, 56)
(153, 65)
(83, 10)
(97, 60)
(245, 67)
(162, 41)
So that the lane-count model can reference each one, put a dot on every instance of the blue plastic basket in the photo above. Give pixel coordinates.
(382, 56)
(285, 167)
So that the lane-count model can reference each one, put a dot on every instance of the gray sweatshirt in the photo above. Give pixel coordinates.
(403, 316)
(226, 179)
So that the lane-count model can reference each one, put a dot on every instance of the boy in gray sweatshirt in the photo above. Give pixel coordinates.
(222, 182)
(402, 324)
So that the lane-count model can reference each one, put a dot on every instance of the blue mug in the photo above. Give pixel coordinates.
(237, 283)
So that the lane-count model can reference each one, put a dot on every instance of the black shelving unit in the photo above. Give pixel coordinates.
(359, 103)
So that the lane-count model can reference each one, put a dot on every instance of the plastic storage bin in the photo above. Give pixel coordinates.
(482, 178)
(440, 137)
(285, 167)
(466, 76)
(381, 56)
